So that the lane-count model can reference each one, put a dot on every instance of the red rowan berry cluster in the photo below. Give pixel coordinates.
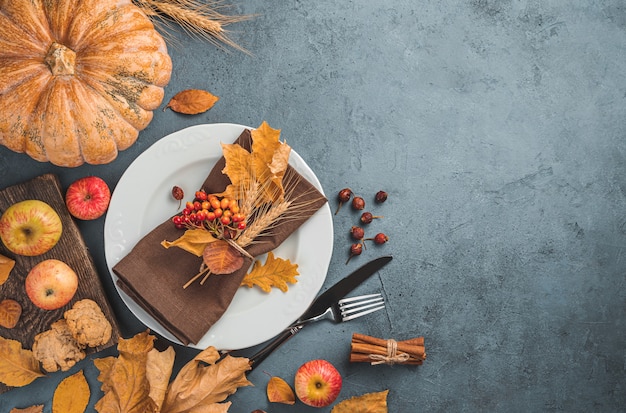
(220, 215)
(357, 232)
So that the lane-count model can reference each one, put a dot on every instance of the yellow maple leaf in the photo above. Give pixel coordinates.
(367, 403)
(258, 173)
(276, 272)
(18, 367)
(270, 160)
(71, 395)
(239, 170)
(193, 241)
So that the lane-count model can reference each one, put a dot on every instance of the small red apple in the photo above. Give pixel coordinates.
(317, 383)
(30, 227)
(88, 198)
(51, 284)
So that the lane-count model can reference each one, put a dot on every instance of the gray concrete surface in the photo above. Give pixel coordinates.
(498, 130)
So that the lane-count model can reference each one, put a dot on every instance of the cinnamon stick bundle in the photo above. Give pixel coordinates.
(373, 350)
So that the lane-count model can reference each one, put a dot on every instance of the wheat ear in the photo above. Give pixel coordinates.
(262, 222)
(196, 18)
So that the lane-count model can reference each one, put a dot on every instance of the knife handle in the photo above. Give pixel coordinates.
(262, 354)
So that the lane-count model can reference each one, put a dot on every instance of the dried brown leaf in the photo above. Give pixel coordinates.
(71, 395)
(202, 384)
(192, 101)
(276, 272)
(193, 241)
(18, 367)
(279, 391)
(6, 265)
(10, 312)
(222, 258)
(159, 370)
(31, 409)
(367, 403)
(124, 380)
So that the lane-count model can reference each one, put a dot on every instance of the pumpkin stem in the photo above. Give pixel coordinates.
(60, 59)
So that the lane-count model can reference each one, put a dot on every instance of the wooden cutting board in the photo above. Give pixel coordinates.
(71, 249)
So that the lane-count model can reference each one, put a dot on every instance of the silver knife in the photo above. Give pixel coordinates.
(321, 304)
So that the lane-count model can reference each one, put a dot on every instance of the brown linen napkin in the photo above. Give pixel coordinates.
(154, 276)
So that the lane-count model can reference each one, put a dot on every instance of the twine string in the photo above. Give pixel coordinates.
(392, 356)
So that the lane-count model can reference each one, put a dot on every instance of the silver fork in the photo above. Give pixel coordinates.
(343, 310)
(348, 309)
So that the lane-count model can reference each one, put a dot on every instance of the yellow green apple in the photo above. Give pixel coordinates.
(31, 227)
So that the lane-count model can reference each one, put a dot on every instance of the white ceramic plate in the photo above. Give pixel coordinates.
(138, 205)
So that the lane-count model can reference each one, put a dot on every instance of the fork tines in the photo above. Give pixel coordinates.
(355, 307)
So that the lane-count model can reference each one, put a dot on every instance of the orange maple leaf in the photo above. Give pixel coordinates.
(276, 272)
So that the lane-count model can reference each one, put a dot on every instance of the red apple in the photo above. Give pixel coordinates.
(51, 284)
(88, 198)
(30, 227)
(317, 383)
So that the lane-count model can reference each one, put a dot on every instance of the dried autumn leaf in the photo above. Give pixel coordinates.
(159, 370)
(31, 409)
(259, 171)
(202, 385)
(10, 312)
(18, 367)
(276, 272)
(192, 101)
(6, 265)
(222, 258)
(279, 391)
(367, 403)
(124, 379)
(239, 170)
(71, 395)
(193, 241)
(271, 157)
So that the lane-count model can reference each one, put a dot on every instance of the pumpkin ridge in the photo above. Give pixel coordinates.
(125, 22)
(119, 102)
(13, 75)
(71, 114)
(28, 19)
(86, 14)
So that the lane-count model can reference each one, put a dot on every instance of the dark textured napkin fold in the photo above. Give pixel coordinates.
(153, 276)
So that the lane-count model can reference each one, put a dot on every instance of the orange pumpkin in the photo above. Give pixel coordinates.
(78, 78)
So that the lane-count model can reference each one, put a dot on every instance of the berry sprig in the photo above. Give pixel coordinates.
(219, 215)
(357, 232)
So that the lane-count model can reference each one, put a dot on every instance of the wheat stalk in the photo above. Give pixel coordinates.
(199, 19)
(265, 219)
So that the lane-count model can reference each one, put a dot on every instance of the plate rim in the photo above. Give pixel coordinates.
(209, 338)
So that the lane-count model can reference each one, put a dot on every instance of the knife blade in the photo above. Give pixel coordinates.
(320, 305)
